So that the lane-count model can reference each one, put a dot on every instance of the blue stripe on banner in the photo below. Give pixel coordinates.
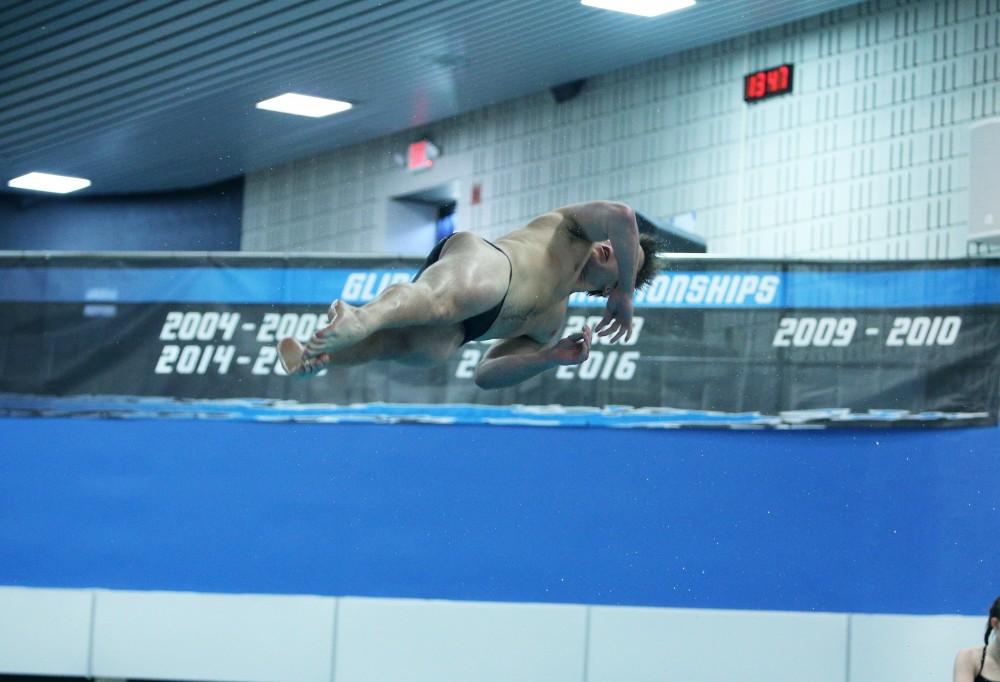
(898, 288)
(196, 285)
(880, 289)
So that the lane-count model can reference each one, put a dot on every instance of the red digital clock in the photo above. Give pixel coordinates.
(767, 83)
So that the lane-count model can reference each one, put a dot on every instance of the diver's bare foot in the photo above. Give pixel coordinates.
(345, 329)
(291, 353)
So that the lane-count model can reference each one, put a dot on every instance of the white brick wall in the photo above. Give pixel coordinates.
(868, 158)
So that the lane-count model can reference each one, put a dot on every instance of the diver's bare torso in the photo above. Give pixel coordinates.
(546, 259)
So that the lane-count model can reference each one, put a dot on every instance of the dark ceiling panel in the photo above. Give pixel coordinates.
(158, 94)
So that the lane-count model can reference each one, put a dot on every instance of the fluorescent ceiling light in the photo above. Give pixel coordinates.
(46, 182)
(304, 105)
(644, 8)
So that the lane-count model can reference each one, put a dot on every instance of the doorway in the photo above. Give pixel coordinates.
(418, 220)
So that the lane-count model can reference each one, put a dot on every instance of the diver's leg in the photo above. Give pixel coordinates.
(469, 278)
(407, 345)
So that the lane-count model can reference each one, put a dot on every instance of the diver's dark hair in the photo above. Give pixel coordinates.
(650, 266)
(994, 613)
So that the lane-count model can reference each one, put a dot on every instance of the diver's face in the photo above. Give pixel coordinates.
(604, 266)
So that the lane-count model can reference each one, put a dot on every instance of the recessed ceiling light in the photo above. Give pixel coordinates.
(46, 182)
(304, 105)
(644, 8)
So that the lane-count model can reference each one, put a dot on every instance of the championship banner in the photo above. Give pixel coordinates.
(716, 342)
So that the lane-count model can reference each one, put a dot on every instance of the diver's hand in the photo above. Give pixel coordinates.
(573, 349)
(617, 319)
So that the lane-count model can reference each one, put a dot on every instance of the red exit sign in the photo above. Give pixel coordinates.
(767, 83)
(420, 155)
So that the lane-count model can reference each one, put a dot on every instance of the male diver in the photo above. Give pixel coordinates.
(515, 290)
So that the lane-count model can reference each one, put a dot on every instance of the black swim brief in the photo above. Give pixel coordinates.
(477, 325)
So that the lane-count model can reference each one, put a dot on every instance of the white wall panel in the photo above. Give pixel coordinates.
(186, 636)
(172, 635)
(668, 645)
(45, 632)
(437, 641)
(910, 647)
